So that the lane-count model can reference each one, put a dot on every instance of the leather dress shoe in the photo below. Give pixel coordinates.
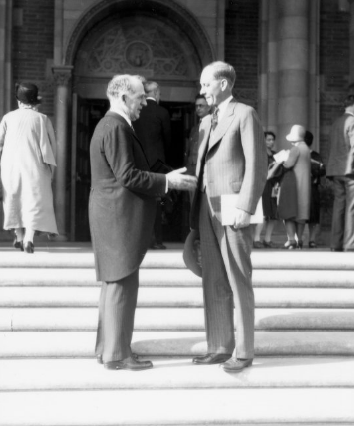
(233, 366)
(99, 358)
(28, 247)
(129, 363)
(211, 359)
(158, 246)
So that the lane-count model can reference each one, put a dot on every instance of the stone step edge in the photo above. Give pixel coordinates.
(173, 319)
(81, 344)
(174, 297)
(266, 372)
(196, 407)
(261, 260)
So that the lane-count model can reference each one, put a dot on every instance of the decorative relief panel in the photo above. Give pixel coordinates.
(130, 46)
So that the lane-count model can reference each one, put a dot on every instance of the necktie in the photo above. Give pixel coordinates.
(214, 118)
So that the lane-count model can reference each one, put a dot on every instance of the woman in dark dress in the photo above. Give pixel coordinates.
(269, 202)
(318, 170)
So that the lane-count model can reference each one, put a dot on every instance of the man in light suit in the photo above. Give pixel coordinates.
(153, 129)
(122, 212)
(340, 169)
(232, 159)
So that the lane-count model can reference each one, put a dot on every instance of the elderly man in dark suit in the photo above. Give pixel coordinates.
(122, 210)
(153, 129)
(340, 168)
(232, 162)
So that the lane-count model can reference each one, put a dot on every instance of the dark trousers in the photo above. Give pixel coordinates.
(342, 235)
(158, 224)
(117, 307)
(227, 283)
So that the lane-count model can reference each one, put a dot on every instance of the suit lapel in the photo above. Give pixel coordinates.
(203, 147)
(223, 125)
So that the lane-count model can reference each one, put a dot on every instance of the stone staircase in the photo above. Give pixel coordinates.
(303, 372)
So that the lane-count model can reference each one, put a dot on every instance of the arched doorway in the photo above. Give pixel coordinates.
(146, 41)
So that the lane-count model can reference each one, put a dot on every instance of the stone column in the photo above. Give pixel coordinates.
(62, 78)
(293, 66)
(351, 46)
(6, 84)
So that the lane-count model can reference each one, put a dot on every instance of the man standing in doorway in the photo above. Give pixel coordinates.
(122, 211)
(154, 131)
(340, 169)
(202, 109)
(232, 161)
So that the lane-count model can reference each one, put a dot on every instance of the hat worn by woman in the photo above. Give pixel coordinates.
(27, 93)
(297, 133)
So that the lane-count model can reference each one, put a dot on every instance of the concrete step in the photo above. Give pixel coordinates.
(176, 297)
(179, 407)
(81, 344)
(176, 373)
(85, 277)
(172, 259)
(172, 319)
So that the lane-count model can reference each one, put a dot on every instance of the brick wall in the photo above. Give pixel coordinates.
(33, 46)
(334, 66)
(241, 46)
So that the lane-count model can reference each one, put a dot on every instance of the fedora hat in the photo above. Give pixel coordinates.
(27, 93)
(191, 253)
(297, 133)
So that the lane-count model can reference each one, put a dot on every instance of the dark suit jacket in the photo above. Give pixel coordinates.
(122, 200)
(234, 159)
(341, 155)
(154, 131)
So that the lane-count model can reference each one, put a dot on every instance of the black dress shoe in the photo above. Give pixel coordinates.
(129, 363)
(234, 366)
(18, 244)
(211, 359)
(99, 358)
(158, 247)
(29, 247)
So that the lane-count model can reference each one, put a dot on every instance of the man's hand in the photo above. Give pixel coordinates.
(242, 219)
(177, 180)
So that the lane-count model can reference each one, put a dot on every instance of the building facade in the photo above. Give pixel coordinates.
(294, 61)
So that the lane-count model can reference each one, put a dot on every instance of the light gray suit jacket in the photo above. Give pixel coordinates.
(234, 159)
(341, 155)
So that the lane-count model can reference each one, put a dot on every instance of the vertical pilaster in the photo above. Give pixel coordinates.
(62, 78)
(351, 44)
(5, 56)
(293, 66)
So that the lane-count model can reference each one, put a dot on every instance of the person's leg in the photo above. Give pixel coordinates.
(290, 231)
(29, 235)
(100, 337)
(348, 243)
(236, 249)
(299, 226)
(338, 218)
(19, 234)
(269, 230)
(119, 313)
(313, 232)
(218, 296)
(257, 231)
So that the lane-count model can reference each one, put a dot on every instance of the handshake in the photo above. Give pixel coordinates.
(177, 180)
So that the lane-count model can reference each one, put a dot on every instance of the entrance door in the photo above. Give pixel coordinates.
(176, 222)
(86, 115)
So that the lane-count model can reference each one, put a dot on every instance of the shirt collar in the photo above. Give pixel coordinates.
(151, 99)
(124, 115)
(222, 107)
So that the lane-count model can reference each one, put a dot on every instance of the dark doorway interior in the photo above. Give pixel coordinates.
(87, 113)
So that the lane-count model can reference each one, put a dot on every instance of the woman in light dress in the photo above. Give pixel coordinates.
(294, 205)
(27, 161)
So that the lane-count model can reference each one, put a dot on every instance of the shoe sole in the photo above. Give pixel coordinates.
(125, 368)
(235, 370)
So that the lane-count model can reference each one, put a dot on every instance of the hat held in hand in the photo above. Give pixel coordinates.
(27, 93)
(192, 254)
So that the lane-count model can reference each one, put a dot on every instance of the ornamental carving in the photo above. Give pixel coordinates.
(127, 48)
